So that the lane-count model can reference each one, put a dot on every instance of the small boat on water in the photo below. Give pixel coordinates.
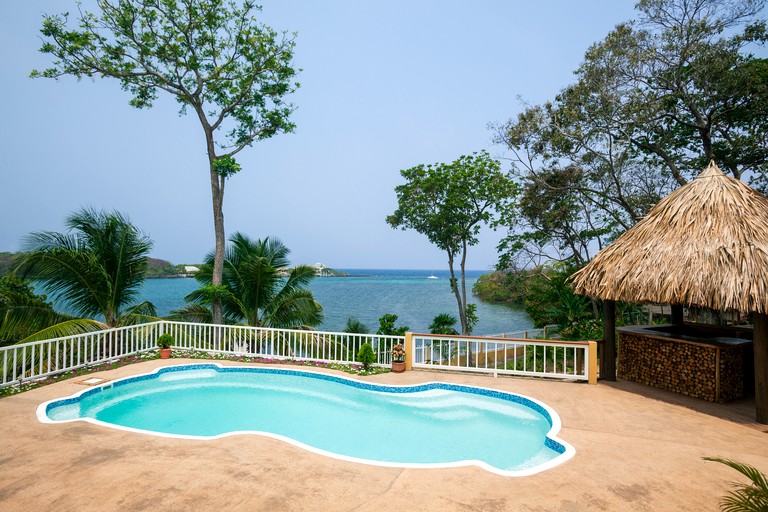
(433, 276)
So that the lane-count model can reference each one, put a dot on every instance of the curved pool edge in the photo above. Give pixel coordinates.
(566, 451)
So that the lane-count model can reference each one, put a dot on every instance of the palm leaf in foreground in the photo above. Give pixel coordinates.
(67, 328)
(751, 497)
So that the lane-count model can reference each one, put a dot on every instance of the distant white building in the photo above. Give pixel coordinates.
(191, 269)
(321, 270)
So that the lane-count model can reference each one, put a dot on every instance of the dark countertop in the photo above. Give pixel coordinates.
(658, 332)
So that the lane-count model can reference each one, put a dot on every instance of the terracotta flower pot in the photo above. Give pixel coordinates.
(165, 353)
(398, 366)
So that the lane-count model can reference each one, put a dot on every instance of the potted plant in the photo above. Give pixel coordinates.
(398, 358)
(164, 342)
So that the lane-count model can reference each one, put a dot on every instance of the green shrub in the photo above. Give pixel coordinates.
(366, 355)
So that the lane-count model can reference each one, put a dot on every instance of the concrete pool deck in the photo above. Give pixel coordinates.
(636, 449)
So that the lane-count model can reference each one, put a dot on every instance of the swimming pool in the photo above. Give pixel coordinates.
(426, 425)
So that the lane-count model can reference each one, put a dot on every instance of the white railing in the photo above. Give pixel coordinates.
(336, 347)
(40, 359)
(540, 358)
(546, 332)
(536, 358)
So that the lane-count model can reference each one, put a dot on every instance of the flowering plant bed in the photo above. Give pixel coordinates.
(353, 368)
(79, 372)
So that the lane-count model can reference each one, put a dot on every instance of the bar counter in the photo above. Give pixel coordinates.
(708, 362)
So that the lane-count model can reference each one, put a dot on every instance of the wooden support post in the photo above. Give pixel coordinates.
(677, 314)
(608, 357)
(592, 364)
(409, 351)
(760, 344)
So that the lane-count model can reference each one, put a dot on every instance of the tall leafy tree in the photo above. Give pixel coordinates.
(387, 326)
(653, 102)
(449, 203)
(255, 291)
(96, 270)
(212, 56)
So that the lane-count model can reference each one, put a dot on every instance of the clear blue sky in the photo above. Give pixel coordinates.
(385, 86)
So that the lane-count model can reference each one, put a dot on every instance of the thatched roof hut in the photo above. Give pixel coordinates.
(705, 244)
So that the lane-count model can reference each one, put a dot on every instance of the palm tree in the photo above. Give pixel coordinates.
(752, 497)
(355, 326)
(257, 289)
(96, 269)
(443, 324)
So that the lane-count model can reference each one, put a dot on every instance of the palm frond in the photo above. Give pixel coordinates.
(98, 269)
(256, 291)
(67, 328)
(20, 321)
(144, 308)
(293, 309)
(355, 326)
(745, 498)
(197, 313)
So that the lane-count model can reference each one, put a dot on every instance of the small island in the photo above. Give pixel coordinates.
(320, 271)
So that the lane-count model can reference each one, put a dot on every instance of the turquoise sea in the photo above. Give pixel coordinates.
(368, 294)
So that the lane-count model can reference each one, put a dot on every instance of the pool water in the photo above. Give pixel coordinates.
(429, 425)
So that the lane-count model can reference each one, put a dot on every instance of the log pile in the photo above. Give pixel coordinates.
(699, 370)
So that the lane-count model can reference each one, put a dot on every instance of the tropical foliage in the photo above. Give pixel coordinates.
(212, 56)
(502, 286)
(387, 326)
(443, 324)
(94, 270)
(652, 104)
(355, 326)
(448, 203)
(752, 497)
(22, 312)
(254, 291)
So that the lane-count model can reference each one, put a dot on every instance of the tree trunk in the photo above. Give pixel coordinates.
(217, 195)
(455, 288)
(465, 326)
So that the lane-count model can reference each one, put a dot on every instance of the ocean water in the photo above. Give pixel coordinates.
(367, 294)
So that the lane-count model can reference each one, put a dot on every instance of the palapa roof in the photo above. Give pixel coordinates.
(705, 244)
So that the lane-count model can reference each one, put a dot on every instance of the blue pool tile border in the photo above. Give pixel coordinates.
(416, 388)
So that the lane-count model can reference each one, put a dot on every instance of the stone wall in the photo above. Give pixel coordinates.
(683, 367)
